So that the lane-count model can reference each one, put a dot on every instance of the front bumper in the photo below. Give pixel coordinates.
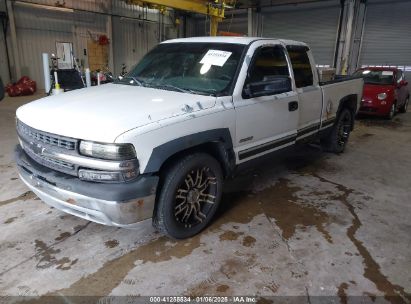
(121, 205)
(374, 107)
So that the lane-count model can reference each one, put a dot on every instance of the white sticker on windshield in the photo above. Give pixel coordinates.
(215, 57)
(387, 73)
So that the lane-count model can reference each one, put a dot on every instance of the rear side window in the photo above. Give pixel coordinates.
(300, 62)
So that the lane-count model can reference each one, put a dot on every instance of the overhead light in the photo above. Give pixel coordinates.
(47, 7)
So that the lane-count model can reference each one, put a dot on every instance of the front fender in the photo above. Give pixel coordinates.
(163, 152)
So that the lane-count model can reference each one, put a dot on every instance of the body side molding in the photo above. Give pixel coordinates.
(266, 147)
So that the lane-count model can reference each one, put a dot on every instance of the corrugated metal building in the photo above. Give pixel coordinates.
(134, 30)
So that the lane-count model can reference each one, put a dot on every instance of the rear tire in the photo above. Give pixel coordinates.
(189, 197)
(337, 138)
(404, 108)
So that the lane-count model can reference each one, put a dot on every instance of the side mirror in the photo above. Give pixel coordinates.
(269, 86)
(402, 83)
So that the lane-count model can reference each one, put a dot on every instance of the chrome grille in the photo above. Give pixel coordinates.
(35, 143)
(50, 139)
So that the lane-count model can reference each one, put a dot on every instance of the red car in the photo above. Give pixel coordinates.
(385, 91)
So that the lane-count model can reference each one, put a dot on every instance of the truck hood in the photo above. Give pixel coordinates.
(102, 113)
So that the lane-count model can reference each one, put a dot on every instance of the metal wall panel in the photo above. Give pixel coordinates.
(313, 23)
(191, 24)
(38, 31)
(236, 23)
(102, 6)
(124, 9)
(4, 71)
(86, 26)
(387, 34)
(132, 39)
(114, 7)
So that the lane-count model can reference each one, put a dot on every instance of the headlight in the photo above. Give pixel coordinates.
(382, 96)
(107, 151)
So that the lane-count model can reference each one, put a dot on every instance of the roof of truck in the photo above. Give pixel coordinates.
(379, 68)
(230, 39)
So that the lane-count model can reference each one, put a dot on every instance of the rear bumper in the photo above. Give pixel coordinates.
(121, 205)
(370, 111)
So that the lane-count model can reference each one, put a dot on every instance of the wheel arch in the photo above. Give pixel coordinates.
(216, 142)
(349, 102)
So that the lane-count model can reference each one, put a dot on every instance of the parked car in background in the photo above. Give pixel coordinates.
(1, 90)
(385, 91)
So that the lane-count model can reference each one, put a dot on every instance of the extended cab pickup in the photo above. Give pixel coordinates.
(160, 141)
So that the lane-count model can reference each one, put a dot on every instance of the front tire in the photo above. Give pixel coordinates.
(393, 109)
(337, 138)
(189, 197)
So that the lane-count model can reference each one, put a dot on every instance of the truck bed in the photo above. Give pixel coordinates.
(339, 78)
(336, 90)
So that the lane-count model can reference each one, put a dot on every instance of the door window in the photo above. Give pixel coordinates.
(399, 76)
(268, 63)
(300, 62)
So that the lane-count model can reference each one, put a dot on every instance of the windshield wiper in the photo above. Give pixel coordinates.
(170, 86)
(182, 90)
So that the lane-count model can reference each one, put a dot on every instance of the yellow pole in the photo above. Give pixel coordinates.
(214, 25)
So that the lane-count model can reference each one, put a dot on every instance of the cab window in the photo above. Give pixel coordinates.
(268, 63)
(301, 65)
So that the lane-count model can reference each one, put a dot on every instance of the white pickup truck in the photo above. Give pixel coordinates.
(160, 141)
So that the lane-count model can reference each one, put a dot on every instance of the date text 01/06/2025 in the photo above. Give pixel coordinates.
(203, 299)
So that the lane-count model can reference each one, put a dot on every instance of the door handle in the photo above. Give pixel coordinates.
(292, 106)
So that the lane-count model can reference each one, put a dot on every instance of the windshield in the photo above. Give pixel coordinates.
(197, 68)
(376, 76)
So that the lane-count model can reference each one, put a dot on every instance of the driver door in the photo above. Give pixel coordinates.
(266, 123)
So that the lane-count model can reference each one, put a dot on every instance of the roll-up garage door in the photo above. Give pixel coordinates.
(312, 23)
(387, 34)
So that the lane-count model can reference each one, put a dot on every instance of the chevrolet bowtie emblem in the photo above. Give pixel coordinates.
(37, 148)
